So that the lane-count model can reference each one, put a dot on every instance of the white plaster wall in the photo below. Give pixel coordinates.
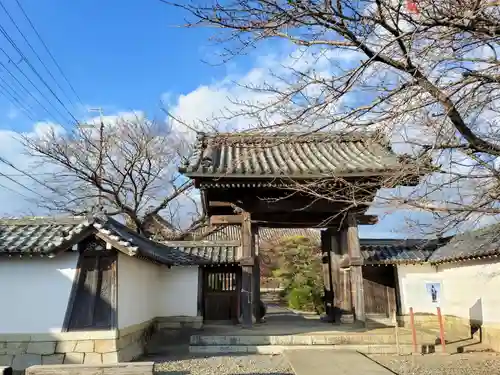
(178, 291)
(34, 293)
(137, 287)
(472, 290)
(469, 289)
(147, 291)
(412, 280)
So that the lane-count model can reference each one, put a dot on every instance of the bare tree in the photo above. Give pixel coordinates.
(427, 76)
(127, 167)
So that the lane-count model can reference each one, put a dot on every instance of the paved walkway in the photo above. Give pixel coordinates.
(327, 362)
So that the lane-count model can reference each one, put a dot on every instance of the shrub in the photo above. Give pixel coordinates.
(300, 271)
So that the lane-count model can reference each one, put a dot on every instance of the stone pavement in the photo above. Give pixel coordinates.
(327, 362)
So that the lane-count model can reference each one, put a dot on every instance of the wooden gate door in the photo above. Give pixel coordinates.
(220, 291)
(379, 289)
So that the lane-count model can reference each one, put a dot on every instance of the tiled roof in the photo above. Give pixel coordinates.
(266, 235)
(169, 253)
(42, 236)
(396, 251)
(207, 252)
(49, 236)
(374, 251)
(474, 244)
(318, 155)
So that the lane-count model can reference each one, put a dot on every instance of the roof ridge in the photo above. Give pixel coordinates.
(293, 136)
(42, 220)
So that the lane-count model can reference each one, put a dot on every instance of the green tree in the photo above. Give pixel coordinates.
(300, 271)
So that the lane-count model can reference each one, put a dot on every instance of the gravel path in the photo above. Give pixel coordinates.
(457, 364)
(225, 365)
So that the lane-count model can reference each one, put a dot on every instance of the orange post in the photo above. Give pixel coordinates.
(441, 329)
(413, 330)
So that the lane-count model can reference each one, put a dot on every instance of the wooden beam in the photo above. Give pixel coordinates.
(226, 219)
(220, 204)
(308, 221)
(298, 205)
(72, 295)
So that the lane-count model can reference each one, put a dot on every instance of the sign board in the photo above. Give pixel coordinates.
(434, 291)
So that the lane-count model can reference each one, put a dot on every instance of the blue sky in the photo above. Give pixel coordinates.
(120, 55)
(127, 55)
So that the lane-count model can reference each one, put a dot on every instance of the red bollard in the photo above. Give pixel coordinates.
(413, 330)
(441, 329)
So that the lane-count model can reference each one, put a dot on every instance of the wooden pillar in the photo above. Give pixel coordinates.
(346, 303)
(327, 274)
(200, 293)
(356, 263)
(247, 266)
(256, 274)
(331, 273)
(335, 258)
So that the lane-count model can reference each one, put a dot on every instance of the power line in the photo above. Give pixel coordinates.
(32, 84)
(24, 186)
(23, 56)
(31, 174)
(26, 90)
(48, 52)
(14, 191)
(15, 101)
(5, 161)
(34, 51)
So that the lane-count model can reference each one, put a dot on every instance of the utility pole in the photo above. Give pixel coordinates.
(100, 171)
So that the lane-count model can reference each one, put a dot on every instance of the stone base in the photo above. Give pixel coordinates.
(24, 350)
(21, 351)
(456, 327)
(137, 368)
(195, 322)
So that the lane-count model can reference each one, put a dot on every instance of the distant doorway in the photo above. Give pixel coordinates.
(379, 286)
(220, 293)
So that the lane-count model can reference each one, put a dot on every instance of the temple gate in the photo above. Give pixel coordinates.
(298, 181)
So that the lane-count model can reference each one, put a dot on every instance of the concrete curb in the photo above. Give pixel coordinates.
(130, 368)
(279, 349)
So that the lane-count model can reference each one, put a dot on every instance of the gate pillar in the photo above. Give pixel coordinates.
(356, 270)
(256, 274)
(247, 270)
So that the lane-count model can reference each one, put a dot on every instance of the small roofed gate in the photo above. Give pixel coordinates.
(220, 293)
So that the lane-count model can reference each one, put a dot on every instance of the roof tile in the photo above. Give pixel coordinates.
(469, 245)
(292, 155)
(45, 236)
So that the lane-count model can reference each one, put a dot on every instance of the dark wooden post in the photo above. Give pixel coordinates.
(335, 258)
(346, 301)
(200, 292)
(256, 274)
(247, 265)
(356, 270)
(327, 274)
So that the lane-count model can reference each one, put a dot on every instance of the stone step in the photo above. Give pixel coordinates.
(292, 340)
(279, 349)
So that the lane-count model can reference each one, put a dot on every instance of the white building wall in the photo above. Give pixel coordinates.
(469, 290)
(412, 280)
(147, 291)
(137, 300)
(472, 290)
(34, 293)
(178, 292)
